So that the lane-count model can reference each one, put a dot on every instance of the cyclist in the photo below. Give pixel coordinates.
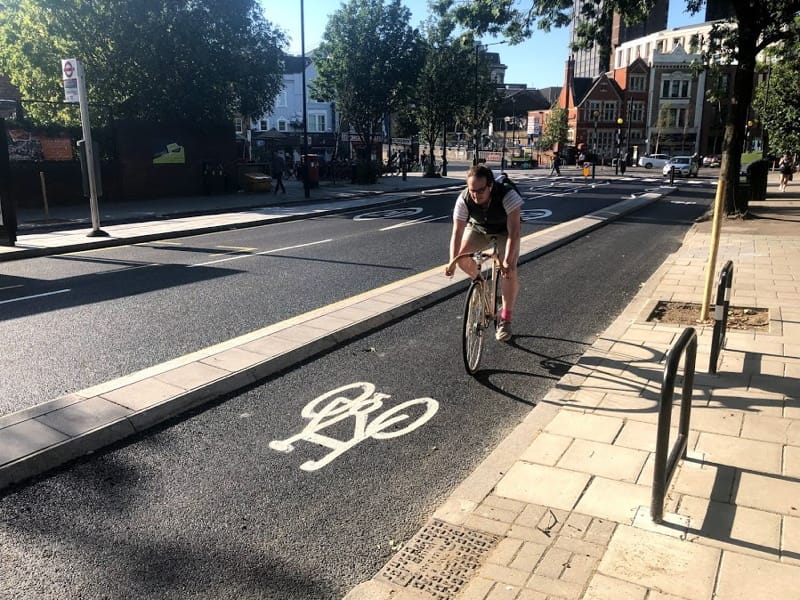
(489, 208)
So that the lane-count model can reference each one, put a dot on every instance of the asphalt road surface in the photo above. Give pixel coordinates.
(76, 320)
(214, 505)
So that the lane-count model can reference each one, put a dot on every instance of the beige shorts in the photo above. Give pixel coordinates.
(480, 241)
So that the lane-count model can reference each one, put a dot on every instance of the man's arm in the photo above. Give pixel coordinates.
(455, 242)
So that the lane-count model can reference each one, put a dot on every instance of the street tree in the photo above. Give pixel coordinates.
(555, 130)
(367, 63)
(204, 60)
(754, 27)
(777, 103)
(441, 91)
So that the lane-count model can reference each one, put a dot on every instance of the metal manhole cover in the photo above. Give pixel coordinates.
(439, 560)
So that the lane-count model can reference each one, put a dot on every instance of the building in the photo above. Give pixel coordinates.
(597, 59)
(282, 129)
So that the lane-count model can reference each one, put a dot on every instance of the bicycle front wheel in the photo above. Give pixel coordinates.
(474, 327)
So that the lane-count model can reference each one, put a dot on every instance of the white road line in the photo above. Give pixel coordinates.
(238, 256)
(11, 287)
(35, 296)
(414, 222)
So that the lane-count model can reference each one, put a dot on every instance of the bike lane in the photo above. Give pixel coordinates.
(216, 505)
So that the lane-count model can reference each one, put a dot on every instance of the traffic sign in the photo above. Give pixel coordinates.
(68, 68)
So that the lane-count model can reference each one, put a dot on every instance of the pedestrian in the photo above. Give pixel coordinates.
(276, 169)
(489, 208)
(786, 168)
(556, 164)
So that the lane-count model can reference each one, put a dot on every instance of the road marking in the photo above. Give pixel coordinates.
(427, 219)
(340, 407)
(389, 213)
(35, 296)
(238, 256)
(11, 287)
(532, 214)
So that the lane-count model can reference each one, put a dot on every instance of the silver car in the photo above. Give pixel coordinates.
(685, 166)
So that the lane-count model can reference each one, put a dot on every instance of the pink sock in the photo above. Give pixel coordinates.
(505, 315)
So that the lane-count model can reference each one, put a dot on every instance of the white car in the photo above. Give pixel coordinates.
(685, 166)
(653, 160)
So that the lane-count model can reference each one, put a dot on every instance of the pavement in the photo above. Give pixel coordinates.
(560, 510)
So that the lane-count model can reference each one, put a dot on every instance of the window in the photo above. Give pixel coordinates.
(263, 125)
(676, 117)
(636, 83)
(283, 125)
(316, 122)
(636, 111)
(675, 88)
(609, 111)
(282, 99)
(594, 107)
(237, 124)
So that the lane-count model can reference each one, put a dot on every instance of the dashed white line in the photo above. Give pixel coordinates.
(238, 256)
(414, 222)
(20, 299)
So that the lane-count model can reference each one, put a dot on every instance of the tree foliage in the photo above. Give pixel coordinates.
(148, 59)
(445, 88)
(367, 63)
(777, 103)
(555, 130)
(754, 27)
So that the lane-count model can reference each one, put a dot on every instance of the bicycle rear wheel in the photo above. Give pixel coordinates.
(474, 327)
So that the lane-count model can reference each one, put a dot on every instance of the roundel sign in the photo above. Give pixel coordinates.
(69, 68)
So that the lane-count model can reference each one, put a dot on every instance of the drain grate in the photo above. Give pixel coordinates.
(439, 560)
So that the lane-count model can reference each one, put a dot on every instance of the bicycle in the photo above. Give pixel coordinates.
(483, 303)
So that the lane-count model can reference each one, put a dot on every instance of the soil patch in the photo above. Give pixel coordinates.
(688, 313)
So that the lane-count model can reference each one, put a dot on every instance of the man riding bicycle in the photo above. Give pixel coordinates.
(489, 208)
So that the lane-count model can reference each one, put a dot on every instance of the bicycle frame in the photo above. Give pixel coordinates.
(481, 304)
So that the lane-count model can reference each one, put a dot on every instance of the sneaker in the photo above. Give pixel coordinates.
(503, 333)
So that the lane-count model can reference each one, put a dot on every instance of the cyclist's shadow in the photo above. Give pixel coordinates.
(553, 367)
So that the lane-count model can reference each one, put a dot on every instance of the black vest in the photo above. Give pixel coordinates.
(493, 219)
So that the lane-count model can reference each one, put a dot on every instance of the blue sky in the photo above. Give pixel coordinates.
(538, 62)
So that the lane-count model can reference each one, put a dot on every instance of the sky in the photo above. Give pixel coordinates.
(538, 62)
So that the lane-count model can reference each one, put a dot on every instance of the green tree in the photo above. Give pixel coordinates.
(777, 104)
(440, 91)
(367, 63)
(555, 130)
(203, 60)
(755, 26)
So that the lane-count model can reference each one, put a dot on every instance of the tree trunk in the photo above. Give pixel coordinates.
(737, 198)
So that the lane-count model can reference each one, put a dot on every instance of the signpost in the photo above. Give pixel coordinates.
(75, 91)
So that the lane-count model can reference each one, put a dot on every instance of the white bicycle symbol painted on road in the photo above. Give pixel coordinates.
(389, 213)
(339, 407)
(532, 214)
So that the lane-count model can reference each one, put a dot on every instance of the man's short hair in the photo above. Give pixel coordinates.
(481, 170)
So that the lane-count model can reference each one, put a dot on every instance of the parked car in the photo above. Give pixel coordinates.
(685, 166)
(648, 161)
(711, 161)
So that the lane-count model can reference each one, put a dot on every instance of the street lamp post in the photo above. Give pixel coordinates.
(618, 142)
(506, 119)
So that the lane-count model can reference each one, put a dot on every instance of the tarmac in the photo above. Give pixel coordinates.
(561, 509)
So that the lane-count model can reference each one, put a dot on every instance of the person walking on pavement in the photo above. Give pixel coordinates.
(786, 168)
(489, 208)
(556, 164)
(276, 168)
